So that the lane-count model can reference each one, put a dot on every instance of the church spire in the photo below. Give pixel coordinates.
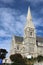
(29, 17)
(29, 22)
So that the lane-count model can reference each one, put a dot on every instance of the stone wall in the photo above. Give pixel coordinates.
(38, 63)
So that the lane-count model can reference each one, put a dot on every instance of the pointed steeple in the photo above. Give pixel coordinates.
(29, 17)
(13, 38)
(29, 22)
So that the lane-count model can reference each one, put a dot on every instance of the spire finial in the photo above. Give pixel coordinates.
(29, 14)
(29, 22)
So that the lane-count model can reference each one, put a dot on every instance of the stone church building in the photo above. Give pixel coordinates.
(30, 44)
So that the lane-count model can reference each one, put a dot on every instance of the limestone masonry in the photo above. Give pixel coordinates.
(30, 44)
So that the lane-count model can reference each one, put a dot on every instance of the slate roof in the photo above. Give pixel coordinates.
(20, 39)
(39, 39)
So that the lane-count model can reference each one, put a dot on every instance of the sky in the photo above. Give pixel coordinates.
(13, 18)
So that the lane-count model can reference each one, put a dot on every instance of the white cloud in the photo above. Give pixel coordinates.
(38, 22)
(39, 31)
(22, 19)
(11, 21)
(6, 44)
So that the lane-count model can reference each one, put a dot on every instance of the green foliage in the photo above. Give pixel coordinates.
(3, 53)
(29, 61)
(35, 59)
(17, 59)
(15, 63)
(40, 58)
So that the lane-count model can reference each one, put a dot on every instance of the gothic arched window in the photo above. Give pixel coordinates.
(31, 33)
(17, 47)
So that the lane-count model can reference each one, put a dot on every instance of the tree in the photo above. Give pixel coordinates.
(3, 53)
(17, 59)
(40, 58)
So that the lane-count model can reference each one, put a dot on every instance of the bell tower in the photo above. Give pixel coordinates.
(30, 35)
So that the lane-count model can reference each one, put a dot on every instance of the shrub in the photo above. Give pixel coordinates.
(17, 59)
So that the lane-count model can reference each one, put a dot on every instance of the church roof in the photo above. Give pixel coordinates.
(18, 39)
(39, 39)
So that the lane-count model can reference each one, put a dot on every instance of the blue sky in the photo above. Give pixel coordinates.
(13, 18)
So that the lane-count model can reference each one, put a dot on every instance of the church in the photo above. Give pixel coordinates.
(29, 44)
